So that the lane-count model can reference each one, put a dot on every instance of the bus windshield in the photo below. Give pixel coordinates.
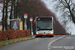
(44, 24)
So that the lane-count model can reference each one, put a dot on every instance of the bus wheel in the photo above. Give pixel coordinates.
(35, 36)
(52, 36)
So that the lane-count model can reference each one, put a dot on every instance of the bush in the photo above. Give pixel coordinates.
(13, 34)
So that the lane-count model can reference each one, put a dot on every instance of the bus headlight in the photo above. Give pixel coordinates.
(51, 32)
(37, 33)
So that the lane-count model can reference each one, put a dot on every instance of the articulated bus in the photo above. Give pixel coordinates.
(44, 26)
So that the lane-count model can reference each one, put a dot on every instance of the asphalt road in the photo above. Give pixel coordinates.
(67, 43)
(42, 43)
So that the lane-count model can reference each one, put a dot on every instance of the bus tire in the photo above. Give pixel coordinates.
(52, 36)
(35, 36)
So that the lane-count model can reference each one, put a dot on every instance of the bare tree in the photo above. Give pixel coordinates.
(13, 12)
(70, 6)
(67, 13)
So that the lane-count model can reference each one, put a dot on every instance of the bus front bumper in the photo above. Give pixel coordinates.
(44, 34)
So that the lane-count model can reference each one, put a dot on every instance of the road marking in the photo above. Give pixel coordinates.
(68, 37)
(49, 45)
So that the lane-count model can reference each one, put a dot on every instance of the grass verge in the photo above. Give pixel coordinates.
(7, 42)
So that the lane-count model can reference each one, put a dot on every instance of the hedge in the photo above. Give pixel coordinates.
(13, 34)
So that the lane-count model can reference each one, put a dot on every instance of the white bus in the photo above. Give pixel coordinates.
(44, 26)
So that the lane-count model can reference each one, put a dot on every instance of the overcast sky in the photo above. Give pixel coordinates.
(1, 12)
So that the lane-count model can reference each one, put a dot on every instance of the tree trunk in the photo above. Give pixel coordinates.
(6, 17)
(11, 12)
(73, 18)
(3, 18)
(14, 9)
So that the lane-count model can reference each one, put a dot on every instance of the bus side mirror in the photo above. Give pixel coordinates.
(34, 21)
(53, 22)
